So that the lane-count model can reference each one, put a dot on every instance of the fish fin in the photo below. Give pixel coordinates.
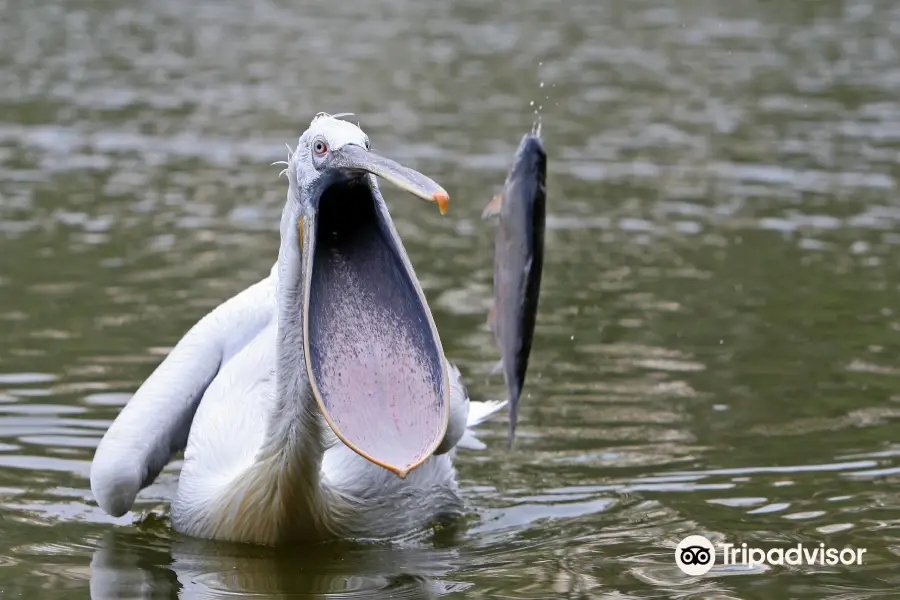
(493, 207)
(492, 316)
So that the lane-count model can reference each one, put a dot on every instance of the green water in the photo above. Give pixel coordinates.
(717, 342)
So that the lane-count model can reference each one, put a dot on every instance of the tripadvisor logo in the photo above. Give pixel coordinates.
(695, 555)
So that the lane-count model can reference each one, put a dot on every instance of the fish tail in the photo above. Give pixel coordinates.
(513, 421)
(513, 405)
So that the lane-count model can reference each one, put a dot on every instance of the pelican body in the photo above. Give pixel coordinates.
(318, 402)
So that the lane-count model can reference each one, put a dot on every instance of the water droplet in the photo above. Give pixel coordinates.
(542, 84)
(531, 103)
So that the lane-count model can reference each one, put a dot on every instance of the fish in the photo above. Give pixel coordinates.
(518, 265)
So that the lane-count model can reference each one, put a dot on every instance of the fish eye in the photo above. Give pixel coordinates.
(320, 147)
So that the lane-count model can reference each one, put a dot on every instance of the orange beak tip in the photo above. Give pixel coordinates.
(442, 198)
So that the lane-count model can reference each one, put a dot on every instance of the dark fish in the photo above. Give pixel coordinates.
(518, 262)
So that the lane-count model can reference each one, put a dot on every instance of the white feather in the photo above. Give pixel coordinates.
(260, 463)
(478, 413)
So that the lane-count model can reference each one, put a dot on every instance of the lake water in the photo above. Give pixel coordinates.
(717, 343)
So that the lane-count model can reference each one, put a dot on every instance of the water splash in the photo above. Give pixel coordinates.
(537, 123)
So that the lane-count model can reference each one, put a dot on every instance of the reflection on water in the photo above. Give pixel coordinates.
(717, 339)
(129, 565)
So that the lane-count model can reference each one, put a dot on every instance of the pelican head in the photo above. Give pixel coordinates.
(371, 350)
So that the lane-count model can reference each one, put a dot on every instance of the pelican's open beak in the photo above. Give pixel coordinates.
(372, 351)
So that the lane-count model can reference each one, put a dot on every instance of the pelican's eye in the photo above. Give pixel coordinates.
(320, 147)
(368, 146)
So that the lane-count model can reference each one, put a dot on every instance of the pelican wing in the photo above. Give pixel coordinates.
(156, 421)
(464, 414)
(478, 412)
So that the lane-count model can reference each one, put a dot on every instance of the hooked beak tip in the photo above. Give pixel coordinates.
(441, 198)
(401, 473)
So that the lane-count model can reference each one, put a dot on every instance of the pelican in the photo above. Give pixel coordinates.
(317, 403)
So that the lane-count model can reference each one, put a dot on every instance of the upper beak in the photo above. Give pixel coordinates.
(373, 355)
(356, 158)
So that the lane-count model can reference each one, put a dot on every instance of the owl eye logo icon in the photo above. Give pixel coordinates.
(695, 555)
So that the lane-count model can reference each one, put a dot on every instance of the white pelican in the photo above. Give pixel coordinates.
(317, 403)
